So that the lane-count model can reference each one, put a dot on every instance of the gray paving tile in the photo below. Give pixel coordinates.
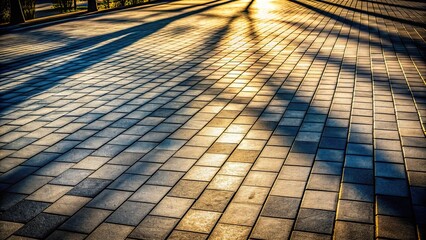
(41, 226)
(23, 211)
(154, 227)
(313, 220)
(242, 115)
(109, 199)
(85, 220)
(130, 213)
(281, 207)
(89, 187)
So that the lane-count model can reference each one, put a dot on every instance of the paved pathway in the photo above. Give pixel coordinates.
(197, 119)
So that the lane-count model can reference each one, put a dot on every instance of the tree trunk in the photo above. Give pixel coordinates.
(16, 14)
(92, 5)
(75, 5)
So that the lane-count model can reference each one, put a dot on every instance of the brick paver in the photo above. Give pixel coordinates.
(198, 119)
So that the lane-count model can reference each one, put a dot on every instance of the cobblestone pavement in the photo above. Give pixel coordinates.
(217, 119)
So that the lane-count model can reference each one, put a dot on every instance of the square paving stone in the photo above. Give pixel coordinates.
(89, 187)
(358, 175)
(190, 152)
(154, 227)
(183, 235)
(67, 205)
(85, 220)
(7, 200)
(300, 159)
(201, 173)
(355, 211)
(299, 235)
(235, 168)
(394, 227)
(30, 184)
(41, 159)
(355, 161)
(389, 170)
(54, 168)
(110, 231)
(351, 230)
(165, 178)
(281, 207)
(333, 143)
(212, 160)
(188, 189)
(24, 211)
(109, 150)
(65, 235)
(314, 220)
(109, 199)
(178, 164)
(150, 193)
(331, 155)
(304, 147)
(109, 171)
(130, 213)
(172, 207)
(324, 182)
(126, 158)
(41, 226)
(357, 192)
(287, 188)
(213, 200)
(49, 193)
(320, 200)
(199, 221)
(268, 164)
(295, 173)
(260, 179)
(144, 168)
(91, 163)
(323, 167)
(250, 194)
(227, 183)
(272, 228)
(274, 152)
(128, 182)
(391, 187)
(17, 174)
(8, 228)
(71, 177)
(227, 231)
(157, 156)
(393, 206)
(241, 214)
(244, 155)
(74, 155)
(222, 148)
(389, 156)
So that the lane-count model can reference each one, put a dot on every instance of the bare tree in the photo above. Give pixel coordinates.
(92, 5)
(16, 14)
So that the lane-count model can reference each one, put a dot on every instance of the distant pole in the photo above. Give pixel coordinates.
(16, 14)
(92, 5)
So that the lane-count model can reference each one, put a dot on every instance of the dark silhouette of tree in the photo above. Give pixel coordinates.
(92, 5)
(16, 14)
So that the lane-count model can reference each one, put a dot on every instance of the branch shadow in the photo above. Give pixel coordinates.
(118, 41)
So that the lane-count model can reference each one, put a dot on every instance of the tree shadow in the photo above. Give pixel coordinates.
(284, 92)
(396, 5)
(114, 42)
